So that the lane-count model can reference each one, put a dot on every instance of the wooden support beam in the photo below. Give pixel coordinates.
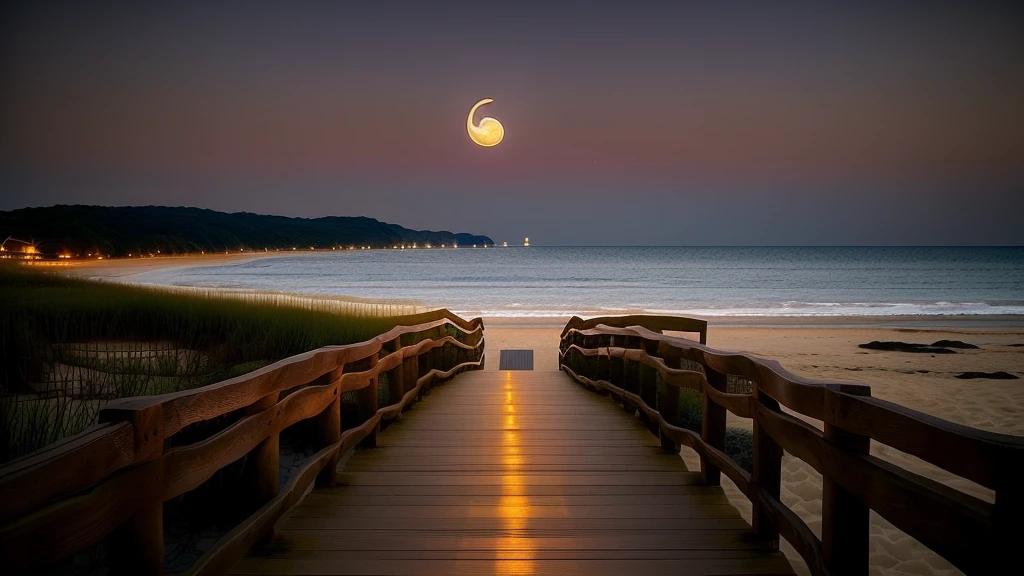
(367, 401)
(713, 428)
(137, 545)
(329, 424)
(668, 396)
(396, 384)
(845, 520)
(767, 475)
(411, 373)
(648, 391)
(668, 408)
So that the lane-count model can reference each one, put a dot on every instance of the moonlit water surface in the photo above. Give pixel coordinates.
(542, 281)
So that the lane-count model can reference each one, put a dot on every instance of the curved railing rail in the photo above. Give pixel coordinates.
(644, 369)
(113, 479)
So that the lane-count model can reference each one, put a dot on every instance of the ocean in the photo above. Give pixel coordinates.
(704, 281)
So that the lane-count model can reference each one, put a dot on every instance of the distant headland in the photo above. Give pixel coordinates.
(79, 231)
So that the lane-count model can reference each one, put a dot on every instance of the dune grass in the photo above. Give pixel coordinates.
(739, 443)
(67, 345)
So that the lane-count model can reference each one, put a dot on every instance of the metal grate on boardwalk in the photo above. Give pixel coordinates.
(515, 360)
(515, 473)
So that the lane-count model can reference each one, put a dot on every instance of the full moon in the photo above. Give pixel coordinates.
(489, 132)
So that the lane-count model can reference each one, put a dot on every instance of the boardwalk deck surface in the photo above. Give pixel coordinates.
(515, 473)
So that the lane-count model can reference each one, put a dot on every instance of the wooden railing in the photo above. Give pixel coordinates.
(645, 369)
(113, 479)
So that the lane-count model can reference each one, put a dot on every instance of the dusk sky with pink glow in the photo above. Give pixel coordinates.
(626, 123)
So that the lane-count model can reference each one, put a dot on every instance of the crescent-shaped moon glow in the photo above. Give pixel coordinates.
(489, 132)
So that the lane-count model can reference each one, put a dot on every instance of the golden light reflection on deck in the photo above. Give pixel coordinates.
(515, 552)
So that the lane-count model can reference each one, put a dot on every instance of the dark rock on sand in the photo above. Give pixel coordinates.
(906, 347)
(987, 375)
(956, 344)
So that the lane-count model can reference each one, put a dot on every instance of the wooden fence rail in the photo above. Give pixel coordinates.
(113, 479)
(644, 369)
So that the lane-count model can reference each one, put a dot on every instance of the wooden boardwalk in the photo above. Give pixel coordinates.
(515, 472)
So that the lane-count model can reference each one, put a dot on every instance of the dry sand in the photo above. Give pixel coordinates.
(124, 268)
(827, 351)
(127, 270)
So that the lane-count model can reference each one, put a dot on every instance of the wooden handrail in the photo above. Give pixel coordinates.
(114, 478)
(971, 533)
(656, 323)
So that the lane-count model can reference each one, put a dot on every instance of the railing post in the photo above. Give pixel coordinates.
(630, 382)
(668, 396)
(411, 372)
(647, 389)
(266, 458)
(396, 384)
(845, 520)
(1007, 509)
(668, 407)
(616, 372)
(424, 363)
(767, 473)
(329, 422)
(137, 545)
(713, 428)
(366, 399)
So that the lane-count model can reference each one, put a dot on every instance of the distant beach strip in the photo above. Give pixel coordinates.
(550, 282)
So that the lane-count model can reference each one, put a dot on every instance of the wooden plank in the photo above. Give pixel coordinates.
(950, 522)
(964, 451)
(335, 565)
(511, 540)
(345, 513)
(430, 492)
(395, 450)
(37, 478)
(522, 468)
(500, 467)
(488, 458)
(279, 551)
(190, 406)
(349, 496)
(352, 478)
(651, 322)
(76, 523)
(545, 526)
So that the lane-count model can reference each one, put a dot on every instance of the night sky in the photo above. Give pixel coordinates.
(626, 123)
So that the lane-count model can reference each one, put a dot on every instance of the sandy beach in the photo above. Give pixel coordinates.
(820, 347)
(128, 270)
(124, 268)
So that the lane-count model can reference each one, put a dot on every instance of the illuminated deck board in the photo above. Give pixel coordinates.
(515, 473)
